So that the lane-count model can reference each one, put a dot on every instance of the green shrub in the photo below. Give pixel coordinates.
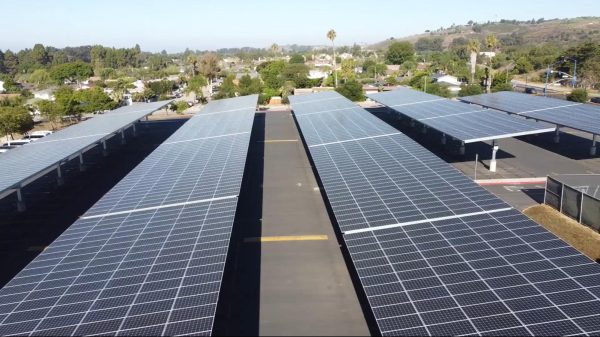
(578, 95)
(352, 90)
(470, 90)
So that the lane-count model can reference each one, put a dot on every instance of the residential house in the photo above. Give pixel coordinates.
(316, 74)
(46, 95)
(488, 54)
(346, 56)
(2, 87)
(449, 81)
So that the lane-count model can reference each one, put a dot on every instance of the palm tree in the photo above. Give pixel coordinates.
(331, 35)
(492, 42)
(474, 49)
(209, 67)
(274, 49)
(192, 60)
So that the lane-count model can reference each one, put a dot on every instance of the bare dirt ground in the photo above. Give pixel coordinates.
(578, 236)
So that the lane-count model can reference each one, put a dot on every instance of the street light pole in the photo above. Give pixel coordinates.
(546, 85)
(575, 74)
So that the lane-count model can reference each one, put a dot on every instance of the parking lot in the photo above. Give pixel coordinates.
(525, 159)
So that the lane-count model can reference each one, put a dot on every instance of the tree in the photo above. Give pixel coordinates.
(15, 119)
(523, 66)
(378, 69)
(195, 85)
(39, 55)
(270, 72)
(296, 73)
(352, 90)
(40, 78)
(297, 58)
(66, 104)
(228, 88)
(332, 35)
(74, 71)
(590, 73)
(400, 52)
(578, 95)
(470, 90)
(274, 49)
(491, 42)
(11, 62)
(249, 86)
(93, 100)
(474, 51)
(209, 68)
(2, 69)
(348, 67)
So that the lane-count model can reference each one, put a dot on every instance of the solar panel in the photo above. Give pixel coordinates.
(148, 258)
(468, 124)
(583, 117)
(435, 253)
(23, 162)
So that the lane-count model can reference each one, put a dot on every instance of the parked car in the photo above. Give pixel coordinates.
(595, 100)
(42, 133)
(4, 148)
(532, 91)
(19, 142)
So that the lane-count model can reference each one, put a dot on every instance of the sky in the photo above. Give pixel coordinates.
(175, 25)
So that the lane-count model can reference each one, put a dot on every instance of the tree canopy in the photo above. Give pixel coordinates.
(15, 119)
(400, 52)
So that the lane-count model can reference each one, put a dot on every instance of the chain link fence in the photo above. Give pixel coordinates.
(573, 203)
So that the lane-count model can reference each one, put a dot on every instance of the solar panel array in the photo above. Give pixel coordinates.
(466, 123)
(583, 117)
(148, 258)
(23, 162)
(437, 254)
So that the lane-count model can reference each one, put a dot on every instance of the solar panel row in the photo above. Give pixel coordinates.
(468, 124)
(148, 258)
(583, 117)
(435, 253)
(21, 163)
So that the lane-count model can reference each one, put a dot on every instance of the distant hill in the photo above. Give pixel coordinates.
(516, 33)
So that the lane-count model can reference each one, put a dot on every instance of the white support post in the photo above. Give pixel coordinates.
(593, 148)
(59, 177)
(444, 140)
(123, 141)
(104, 148)
(134, 129)
(424, 130)
(82, 167)
(557, 135)
(462, 149)
(493, 162)
(21, 207)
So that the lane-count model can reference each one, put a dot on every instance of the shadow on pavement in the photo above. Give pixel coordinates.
(238, 310)
(52, 209)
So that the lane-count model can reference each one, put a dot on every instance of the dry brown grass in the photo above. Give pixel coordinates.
(577, 235)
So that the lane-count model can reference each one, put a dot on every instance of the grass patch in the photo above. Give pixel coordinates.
(575, 234)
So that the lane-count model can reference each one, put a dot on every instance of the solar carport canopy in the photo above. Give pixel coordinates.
(22, 163)
(469, 124)
(578, 116)
(435, 253)
(148, 258)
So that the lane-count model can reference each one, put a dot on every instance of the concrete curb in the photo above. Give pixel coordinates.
(510, 182)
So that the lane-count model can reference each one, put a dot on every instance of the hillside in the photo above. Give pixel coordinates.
(564, 31)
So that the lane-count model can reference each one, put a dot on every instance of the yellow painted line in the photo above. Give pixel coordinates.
(288, 238)
(280, 141)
